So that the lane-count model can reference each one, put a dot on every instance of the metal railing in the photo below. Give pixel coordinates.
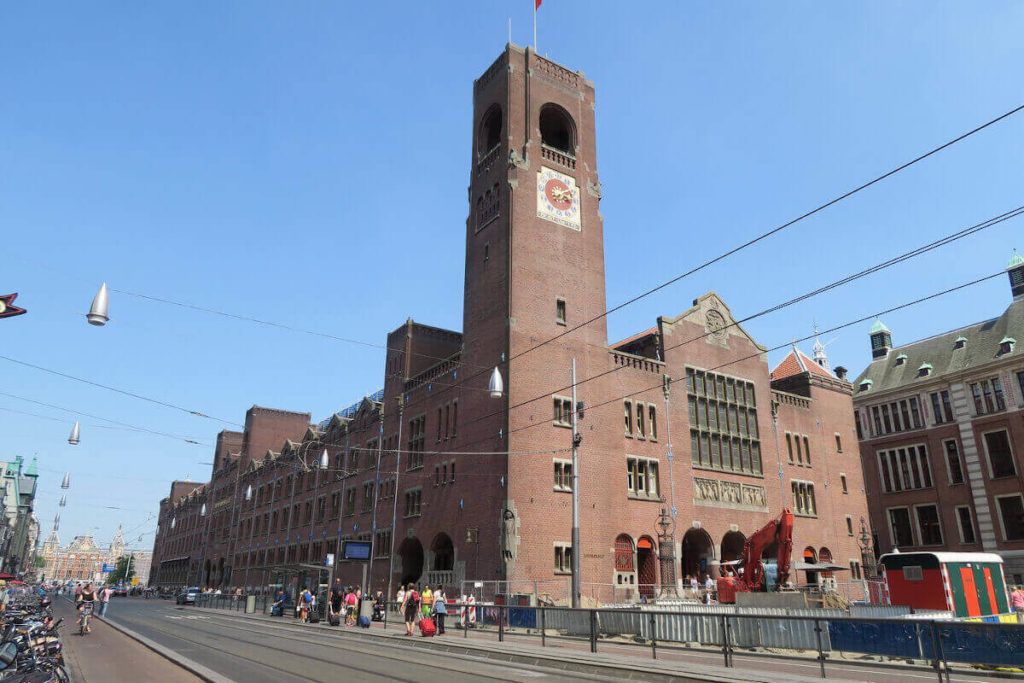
(734, 632)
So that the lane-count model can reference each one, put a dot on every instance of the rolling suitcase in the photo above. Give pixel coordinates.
(333, 619)
(314, 617)
(427, 627)
(364, 621)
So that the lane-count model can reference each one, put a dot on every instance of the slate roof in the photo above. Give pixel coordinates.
(797, 363)
(940, 352)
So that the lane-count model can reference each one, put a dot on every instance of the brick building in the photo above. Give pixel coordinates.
(941, 437)
(480, 488)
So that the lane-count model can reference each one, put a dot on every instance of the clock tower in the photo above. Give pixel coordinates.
(534, 270)
(534, 235)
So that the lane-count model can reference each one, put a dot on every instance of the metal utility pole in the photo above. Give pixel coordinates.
(376, 498)
(394, 505)
(576, 438)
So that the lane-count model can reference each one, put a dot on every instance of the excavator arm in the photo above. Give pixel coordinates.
(778, 531)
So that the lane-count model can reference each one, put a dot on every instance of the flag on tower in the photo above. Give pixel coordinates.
(536, 5)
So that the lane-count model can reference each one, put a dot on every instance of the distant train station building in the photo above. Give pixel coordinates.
(450, 485)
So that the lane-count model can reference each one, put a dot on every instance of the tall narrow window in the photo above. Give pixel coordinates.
(455, 417)
(965, 523)
(928, 525)
(560, 311)
(1000, 455)
(640, 422)
(789, 447)
(628, 405)
(956, 472)
(807, 451)
(652, 421)
(839, 443)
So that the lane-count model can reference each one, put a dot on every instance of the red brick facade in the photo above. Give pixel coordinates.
(479, 492)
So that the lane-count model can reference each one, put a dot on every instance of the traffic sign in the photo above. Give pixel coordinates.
(107, 568)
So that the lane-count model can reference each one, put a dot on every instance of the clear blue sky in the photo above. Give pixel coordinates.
(307, 163)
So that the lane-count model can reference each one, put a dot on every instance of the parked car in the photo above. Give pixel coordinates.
(187, 596)
(120, 592)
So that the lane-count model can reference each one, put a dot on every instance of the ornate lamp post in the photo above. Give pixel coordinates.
(867, 556)
(666, 555)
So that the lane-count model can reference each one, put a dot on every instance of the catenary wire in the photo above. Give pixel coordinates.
(118, 391)
(836, 328)
(906, 256)
(105, 419)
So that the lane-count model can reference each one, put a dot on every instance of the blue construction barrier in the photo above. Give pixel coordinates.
(961, 642)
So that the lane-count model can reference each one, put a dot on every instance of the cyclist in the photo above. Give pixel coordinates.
(86, 600)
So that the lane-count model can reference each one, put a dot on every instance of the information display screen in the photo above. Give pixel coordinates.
(356, 550)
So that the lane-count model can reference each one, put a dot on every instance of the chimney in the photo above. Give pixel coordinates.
(840, 372)
(1015, 271)
(881, 340)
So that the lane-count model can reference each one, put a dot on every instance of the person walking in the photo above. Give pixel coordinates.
(694, 587)
(410, 608)
(277, 608)
(104, 600)
(337, 598)
(305, 600)
(1017, 602)
(351, 607)
(440, 608)
(428, 600)
(709, 589)
(400, 598)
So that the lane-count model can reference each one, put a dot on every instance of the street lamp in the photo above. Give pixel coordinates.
(73, 438)
(100, 304)
(64, 500)
(496, 386)
(202, 510)
(248, 493)
(66, 484)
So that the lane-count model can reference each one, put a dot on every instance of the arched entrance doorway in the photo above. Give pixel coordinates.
(825, 557)
(646, 564)
(444, 553)
(811, 557)
(411, 552)
(698, 551)
(625, 569)
(732, 546)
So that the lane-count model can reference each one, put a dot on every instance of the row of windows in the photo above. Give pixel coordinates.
(803, 498)
(728, 454)
(413, 502)
(444, 473)
(722, 417)
(797, 455)
(448, 420)
(417, 441)
(642, 477)
(907, 468)
(720, 387)
(898, 416)
(904, 469)
(641, 420)
(928, 526)
(988, 396)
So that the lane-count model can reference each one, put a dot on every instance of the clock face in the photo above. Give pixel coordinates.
(558, 198)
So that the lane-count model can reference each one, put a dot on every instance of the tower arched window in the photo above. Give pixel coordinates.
(489, 136)
(557, 130)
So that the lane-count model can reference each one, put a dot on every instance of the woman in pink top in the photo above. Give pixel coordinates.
(1017, 600)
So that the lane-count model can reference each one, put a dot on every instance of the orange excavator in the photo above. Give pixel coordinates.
(749, 573)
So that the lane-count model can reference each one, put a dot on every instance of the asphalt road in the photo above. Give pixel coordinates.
(258, 652)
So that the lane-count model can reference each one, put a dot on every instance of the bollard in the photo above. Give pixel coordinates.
(386, 610)
(942, 651)
(593, 630)
(543, 630)
(465, 625)
(725, 641)
(935, 651)
(728, 640)
(821, 654)
(501, 624)
(654, 639)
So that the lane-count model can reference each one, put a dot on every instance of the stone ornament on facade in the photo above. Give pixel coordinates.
(729, 494)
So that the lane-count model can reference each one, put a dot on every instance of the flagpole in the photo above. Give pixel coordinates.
(535, 3)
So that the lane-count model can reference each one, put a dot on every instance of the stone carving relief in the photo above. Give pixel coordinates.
(729, 494)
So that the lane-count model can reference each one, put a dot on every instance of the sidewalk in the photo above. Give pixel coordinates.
(107, 656)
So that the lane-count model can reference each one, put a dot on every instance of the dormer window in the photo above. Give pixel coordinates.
(901, 359)
(960, 342)
(865, 385)
(924, 370)
(1006, 345)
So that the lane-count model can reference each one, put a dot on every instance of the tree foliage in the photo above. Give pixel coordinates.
(121, 571)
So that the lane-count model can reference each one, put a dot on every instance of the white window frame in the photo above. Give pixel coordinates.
(988, 456)
(566, 399)
(960, 526)
(814, 496)
(566, 547)
(895, 471)
(892, 531)
(999, 510)
(563, 462)
(938, 516)
(635, 493)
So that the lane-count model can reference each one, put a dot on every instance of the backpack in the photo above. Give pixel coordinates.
(307, 597)
(413, 598)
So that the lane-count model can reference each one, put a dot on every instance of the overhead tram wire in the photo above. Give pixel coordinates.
(842, 326)
(123, 392)
(106, 419)
(628, 302)
(906, 256)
